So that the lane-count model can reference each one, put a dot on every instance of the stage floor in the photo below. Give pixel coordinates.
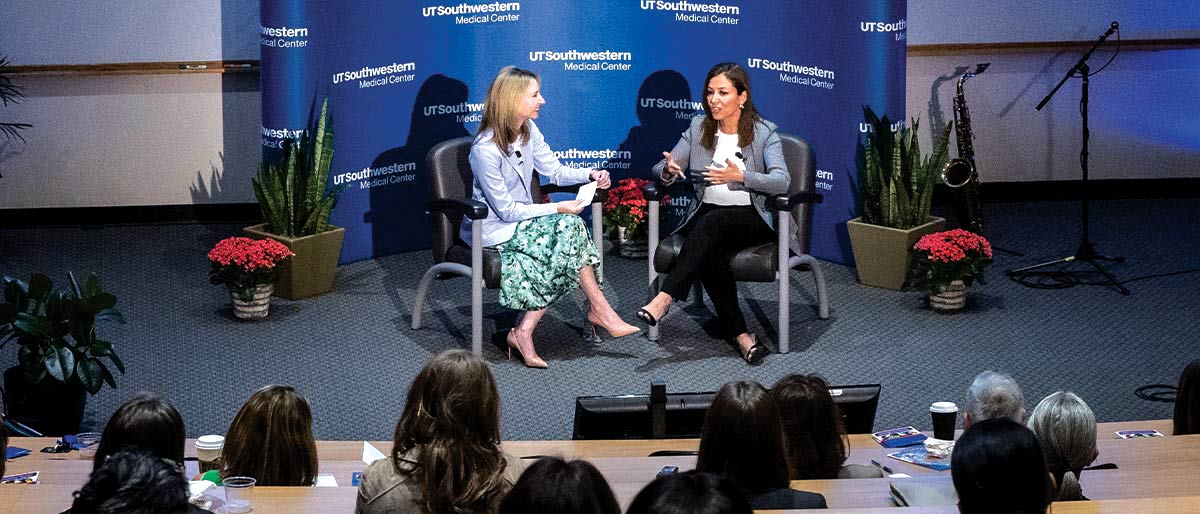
(351, 352)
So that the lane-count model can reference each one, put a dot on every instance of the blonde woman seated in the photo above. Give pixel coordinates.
(446, 454)
(1066, 428)
(544, 249)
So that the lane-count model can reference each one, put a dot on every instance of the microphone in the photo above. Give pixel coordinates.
(518, 154)
(1112, 28)
(739, 155)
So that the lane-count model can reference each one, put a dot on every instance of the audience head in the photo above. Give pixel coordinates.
(3, 446)
(453, 416)
(743, 438)
(1066, 429)
(504, 109)
(554, 486)
(271, 439)
(998, 468)
(133, 481)
(813, 424)
(993, 395)
(1187, 403)
(692, 492)
(145, 421)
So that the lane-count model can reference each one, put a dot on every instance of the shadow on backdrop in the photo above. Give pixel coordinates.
(664, 111)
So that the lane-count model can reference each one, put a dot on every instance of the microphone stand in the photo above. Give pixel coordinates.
(1087, 250)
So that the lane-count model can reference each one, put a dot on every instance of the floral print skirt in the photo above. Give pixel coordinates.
(542, 260)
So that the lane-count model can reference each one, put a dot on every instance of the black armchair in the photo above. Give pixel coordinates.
(759, 263)
(450, 190)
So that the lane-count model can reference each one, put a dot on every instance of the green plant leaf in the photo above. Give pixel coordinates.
(33, 326)
(101, 348)
(116, 362)
(59, 362)
(16, 293)
(110, 314)
(39, 287)
(90, 374)
(101, 301)
(74, 285)
(108, 378)
(91, 286)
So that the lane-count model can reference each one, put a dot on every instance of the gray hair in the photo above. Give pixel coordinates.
(1066, 428)
(995, 395)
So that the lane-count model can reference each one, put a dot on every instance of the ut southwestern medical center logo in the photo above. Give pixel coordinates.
(682, 108)
(692, 12)
(283, 37)
(371, 76)
(575, 60)
(800, 75)
(898, 27)
(464, 13)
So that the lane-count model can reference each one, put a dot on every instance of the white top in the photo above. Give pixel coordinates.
(727, 148)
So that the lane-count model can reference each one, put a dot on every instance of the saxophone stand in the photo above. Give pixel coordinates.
(1087, 250)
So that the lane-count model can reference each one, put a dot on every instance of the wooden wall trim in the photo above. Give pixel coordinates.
(133, 68)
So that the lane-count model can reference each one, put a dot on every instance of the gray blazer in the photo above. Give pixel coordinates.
(384, 491)
(766, 171)
(502, 182)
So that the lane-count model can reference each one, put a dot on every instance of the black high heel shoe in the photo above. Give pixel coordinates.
(756, 352)
(648, 318)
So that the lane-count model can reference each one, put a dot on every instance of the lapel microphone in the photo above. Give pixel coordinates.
(518, 154)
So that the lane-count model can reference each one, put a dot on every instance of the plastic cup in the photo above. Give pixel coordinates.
(945, 416)
(239, 494)
(88, 443)
(208, 451)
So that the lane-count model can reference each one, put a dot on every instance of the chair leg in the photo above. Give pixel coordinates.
(598, 239)
(651, 248)
(783, 277)
(477, 289)
(427, 281)
(819, 278)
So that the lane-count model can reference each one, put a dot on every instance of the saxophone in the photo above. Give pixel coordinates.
(960, 173)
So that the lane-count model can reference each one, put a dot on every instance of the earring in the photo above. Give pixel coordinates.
(741, 106)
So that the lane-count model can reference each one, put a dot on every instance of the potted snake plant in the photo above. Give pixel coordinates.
(59, 355)
(896, 186)
(296, 204)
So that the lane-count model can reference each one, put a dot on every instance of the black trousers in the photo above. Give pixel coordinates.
(712, 237)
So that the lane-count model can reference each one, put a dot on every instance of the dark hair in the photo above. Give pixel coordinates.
(453, 414)
(145, 421)
(271, 439)
(749, 115)
(813, 425)
(743, 438)
(998, 468)
(552, 486)
(692, 492)
(1187, 403)
(133, 481)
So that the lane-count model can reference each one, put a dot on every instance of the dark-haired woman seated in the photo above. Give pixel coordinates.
(998, 468)
(692, 492)
(271, 439)
(135, 481)
(743, 439)
(145, 421)
(739, 156)
(554, 486)
(446, 454)
(816, 437)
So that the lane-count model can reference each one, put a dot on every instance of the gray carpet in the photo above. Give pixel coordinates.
(352, 354)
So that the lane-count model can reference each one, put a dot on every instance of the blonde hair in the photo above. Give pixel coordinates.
(1066, 428)
(500, 108)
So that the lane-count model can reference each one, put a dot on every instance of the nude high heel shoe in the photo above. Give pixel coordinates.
(594, 323)
(530, 359)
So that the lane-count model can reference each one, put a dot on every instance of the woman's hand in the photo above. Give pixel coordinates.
(672, 169)
(568, 207)
(601, 178)
(730, 173)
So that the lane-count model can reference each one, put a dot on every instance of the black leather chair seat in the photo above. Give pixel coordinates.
(754, 264)
(461, 253)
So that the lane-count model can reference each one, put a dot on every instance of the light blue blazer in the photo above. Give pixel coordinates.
(502, 182)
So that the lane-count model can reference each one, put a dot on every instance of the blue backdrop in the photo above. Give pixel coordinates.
(621, 79)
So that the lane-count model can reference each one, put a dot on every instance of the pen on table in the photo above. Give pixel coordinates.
(881, 466)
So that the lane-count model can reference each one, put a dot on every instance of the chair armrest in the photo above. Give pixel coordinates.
(655, 192)
(547, 189)
(786, 202)
(471, 208)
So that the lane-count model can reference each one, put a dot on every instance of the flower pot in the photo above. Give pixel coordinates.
(50, 407)
(257, 307)
(882, 253)
(311, 271)
(948, 298)
(632, 245)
